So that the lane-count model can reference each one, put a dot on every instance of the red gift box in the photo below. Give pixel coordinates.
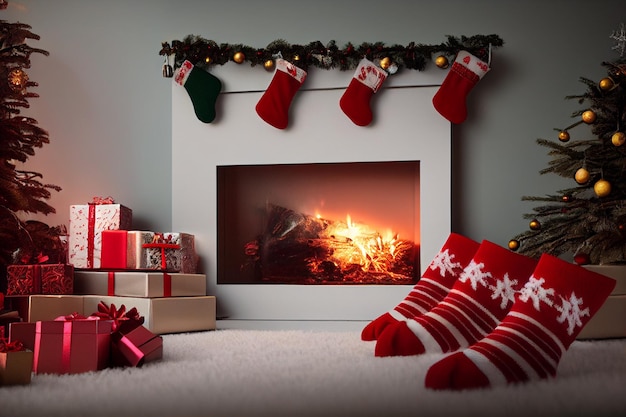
(135, 348)
(40, 279)
(66, 346)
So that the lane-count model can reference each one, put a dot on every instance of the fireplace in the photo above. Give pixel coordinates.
(275, 211)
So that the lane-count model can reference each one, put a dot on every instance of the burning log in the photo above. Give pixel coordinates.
(299, 248)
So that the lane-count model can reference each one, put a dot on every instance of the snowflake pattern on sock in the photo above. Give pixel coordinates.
(503, 288)
(569, 309)
(444, 261)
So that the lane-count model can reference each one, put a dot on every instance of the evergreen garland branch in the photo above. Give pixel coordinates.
(206, 53)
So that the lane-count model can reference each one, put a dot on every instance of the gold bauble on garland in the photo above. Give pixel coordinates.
(269, 64)
(618, 138)
(207, 60)
(606, 84)
(589, 116)
(563, 135)
(442, 62)
(581, 176)
(602, 188)
(385, 63)
(513, 244)
(239, 57)
(534, 224)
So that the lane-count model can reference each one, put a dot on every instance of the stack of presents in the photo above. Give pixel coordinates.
(105, 304)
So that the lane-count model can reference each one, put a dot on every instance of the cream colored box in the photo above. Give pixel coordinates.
(165, 315)
(610, 320)
(139, 284)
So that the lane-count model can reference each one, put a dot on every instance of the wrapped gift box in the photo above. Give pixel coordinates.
(165, 315)
(161, 315)
(66, 346)
(16, 367)
(134, 249)
(610, 320)
(39, 307)
(135, 348)
(40, 279)
(87, 221)
(139, 284)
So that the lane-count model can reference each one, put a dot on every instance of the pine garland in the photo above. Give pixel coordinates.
(206, 53)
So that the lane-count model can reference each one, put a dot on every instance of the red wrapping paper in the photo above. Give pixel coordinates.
(71, 346)
(135, 348)
(40, 279)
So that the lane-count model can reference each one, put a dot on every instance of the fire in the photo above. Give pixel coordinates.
(358, 244)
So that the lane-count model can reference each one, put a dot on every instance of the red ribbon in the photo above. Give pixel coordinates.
(36, 279)
(91, 222)
(163, 247)
(91, 225)
(167, 285)
(67, 346)
(111, 283)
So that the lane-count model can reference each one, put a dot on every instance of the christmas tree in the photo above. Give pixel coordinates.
(21, 191)
(588, 219)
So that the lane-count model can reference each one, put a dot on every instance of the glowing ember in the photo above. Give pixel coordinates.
(357, 244)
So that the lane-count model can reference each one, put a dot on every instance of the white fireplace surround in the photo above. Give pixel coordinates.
(405, 127)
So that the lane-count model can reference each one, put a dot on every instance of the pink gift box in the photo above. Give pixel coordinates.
(87, 221)
(40, 279)
(66, 346)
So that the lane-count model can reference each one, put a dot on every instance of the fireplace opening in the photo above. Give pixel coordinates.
(319, 223)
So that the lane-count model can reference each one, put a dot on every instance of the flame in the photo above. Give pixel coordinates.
(358, 244)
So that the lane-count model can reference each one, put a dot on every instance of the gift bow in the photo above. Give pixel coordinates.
(102, 200)
(122, 319)
(14, 346)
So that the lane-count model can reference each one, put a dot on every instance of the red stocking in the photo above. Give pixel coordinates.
(273, 107)
(450, 99)
(355, 101)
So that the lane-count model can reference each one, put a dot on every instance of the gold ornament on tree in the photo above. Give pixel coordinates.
(589, 116)
(618, 138)
(602, 188)
(385, 63)
(239, 57)
(513, 244)
(534, 224)
(563, 135)
(269, 64)
(17, 79)
(606, 84)
(581, 176)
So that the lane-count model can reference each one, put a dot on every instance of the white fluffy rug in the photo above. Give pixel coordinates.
(313, 373)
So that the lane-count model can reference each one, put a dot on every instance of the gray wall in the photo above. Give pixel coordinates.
(107, 107)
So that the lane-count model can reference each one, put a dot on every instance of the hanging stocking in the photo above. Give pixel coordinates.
(273, 107)
(548, 313)
(355, 101)
(450, 99)
(433, 286)
(476, 304)
(203, 89)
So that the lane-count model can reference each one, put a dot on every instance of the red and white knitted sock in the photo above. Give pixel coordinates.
(451, 98)
(433, 286)
(476, 304)
(273, 107)
(355, 101)
(548, 313)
